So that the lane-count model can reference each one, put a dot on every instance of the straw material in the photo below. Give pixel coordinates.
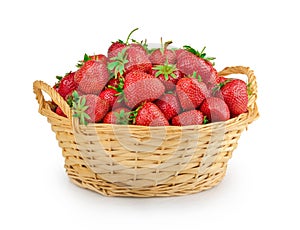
(138, 161)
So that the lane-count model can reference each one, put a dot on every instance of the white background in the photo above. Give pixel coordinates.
(42, 39)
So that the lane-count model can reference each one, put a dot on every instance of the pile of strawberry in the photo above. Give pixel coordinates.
(152, 87)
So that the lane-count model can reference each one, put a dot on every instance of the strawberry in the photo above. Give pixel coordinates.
(150, 115)
(163, 55)
(194, 61)
(191, 93)
(66, 85)
(140, 47)
(135, 76)
(129, 59)
(89, 108)
(169, 105)
(179, 52)
(114, 82)
(98, 57)
(118, 46)
(215, 109)
(191, 117)
(92, 77)
(140, 87)
(137, 60)
(214, 88)
(221, 79)
(168, 74)
(115, 48)
(60, 112)
(234, 93)
(118, 116)
(110, 95)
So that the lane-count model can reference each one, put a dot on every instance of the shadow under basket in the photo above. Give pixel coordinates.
(140, 161)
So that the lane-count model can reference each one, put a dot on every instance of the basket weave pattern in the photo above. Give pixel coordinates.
(138, 161)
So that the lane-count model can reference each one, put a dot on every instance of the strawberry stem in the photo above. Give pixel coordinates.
(167, 44)
(164, 46)
(126, 43)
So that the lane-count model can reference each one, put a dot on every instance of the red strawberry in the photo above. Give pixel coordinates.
(192, 117)
(140, 87)
(191, 92)
(114, 82)
(234, 93)
(163, 55)
(215, 109)
(129, 59)
(110, 95)
(139, 46)
(214, 89)
(115, 48)
(190, 62)
(137, 60)
(180, 51)
(98, 57)
(118, 46)
(66, 85)
(135, 76)
(118, 116)
(92, 77)
(90, 108)
(60, 112)
(169, 105)
(168, 74)
(221, 79)
(150, 115)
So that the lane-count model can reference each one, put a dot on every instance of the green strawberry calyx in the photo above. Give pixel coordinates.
(142, 43)
(167, 70)
(134, 113)
(205, 120)
(200, 54)
(219, 86)
(120, 90)
(196, 76)
(59, 78)
(122, 117)
(117, 64)
(85, 59)
(79, 107)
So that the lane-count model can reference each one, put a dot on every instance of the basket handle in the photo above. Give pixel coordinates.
(251, 80)
(39, 86)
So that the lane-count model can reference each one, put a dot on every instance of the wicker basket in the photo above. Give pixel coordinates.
(138, 161)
